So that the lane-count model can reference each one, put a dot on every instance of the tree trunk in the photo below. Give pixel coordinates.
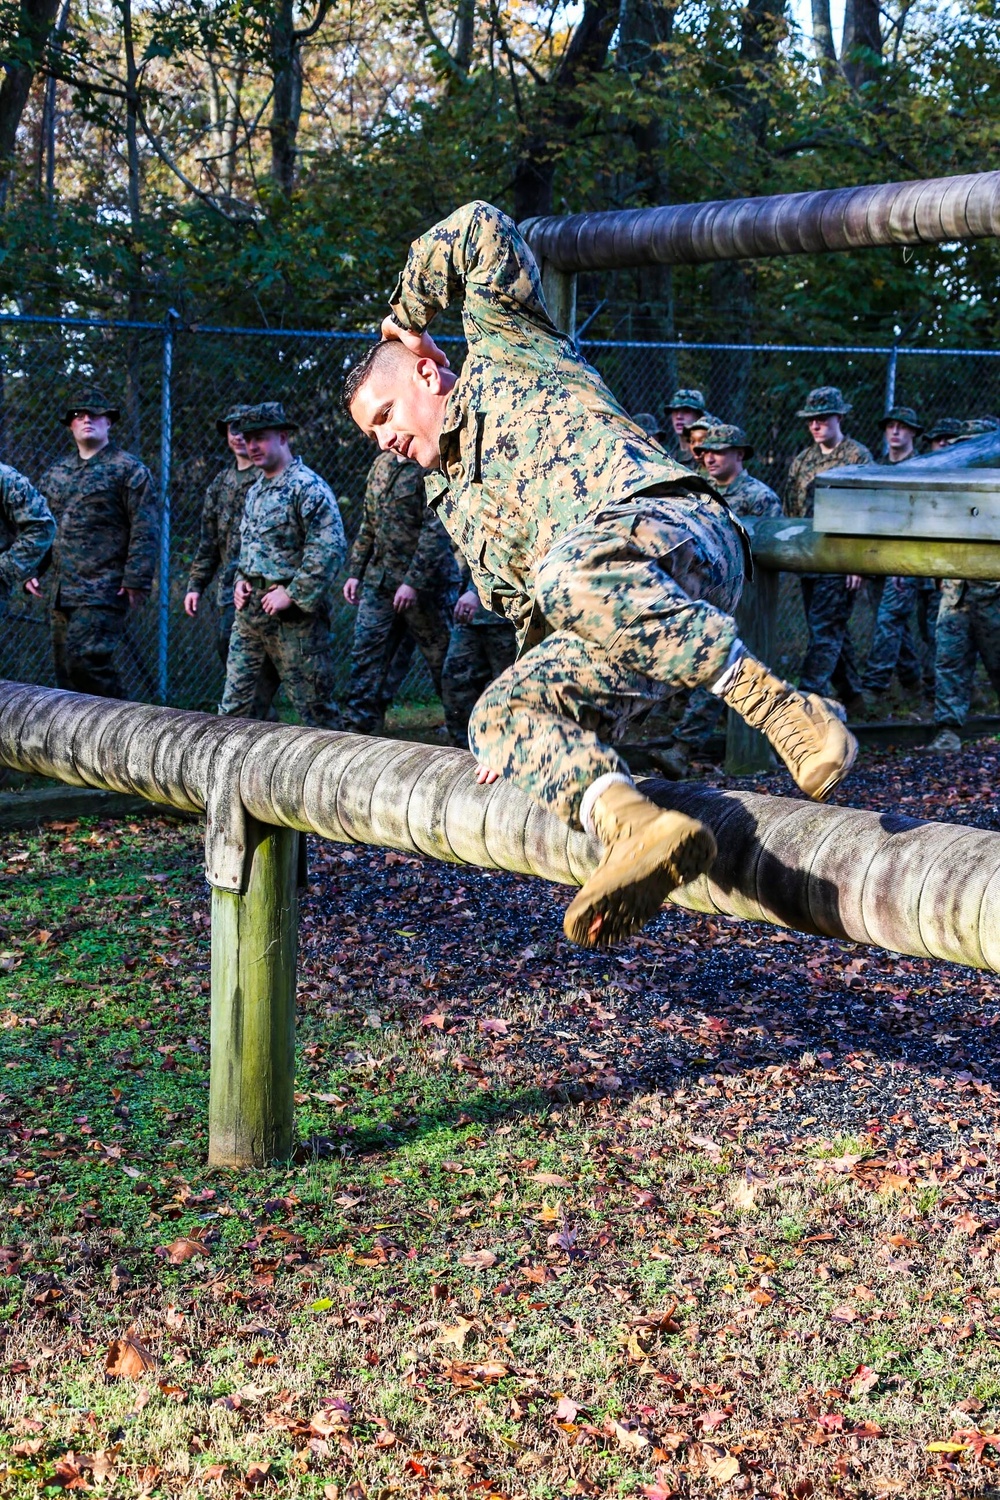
(231, 126)
(133, 379)
(465, 34)
(286, 73)
(861, 52)
(34, 25)
(51, 102)
(559, 108)
(822, 30)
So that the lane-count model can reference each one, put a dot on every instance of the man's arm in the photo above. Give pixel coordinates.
(323, 550)
(34, 526)
(794, 498)
(364, 542)
(478, 259)
(209, 554)
(144, 531)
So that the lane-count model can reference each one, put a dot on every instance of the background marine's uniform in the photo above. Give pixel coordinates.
(27, 531)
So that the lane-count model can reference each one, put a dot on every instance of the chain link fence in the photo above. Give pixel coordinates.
(173, 382)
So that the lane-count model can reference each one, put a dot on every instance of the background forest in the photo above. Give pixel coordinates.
(265, 163)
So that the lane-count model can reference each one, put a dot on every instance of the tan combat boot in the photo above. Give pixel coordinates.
(648, 852)
(806, 730)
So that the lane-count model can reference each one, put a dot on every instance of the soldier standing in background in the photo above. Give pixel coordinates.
(829, 666)
(722, 451)
(482, 646)
(968, 626)
(106, 547)
(291, 547)
(219, 549)
(944, 432)
(403, 579)
(892, 647)
(27, 531)
(683, 408)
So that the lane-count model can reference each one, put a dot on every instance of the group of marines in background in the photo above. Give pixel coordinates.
(272, 536)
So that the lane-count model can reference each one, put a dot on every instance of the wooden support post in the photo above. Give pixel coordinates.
(747, 750)
(254, 949)
(560, 297)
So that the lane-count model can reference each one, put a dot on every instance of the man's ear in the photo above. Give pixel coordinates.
(437, 379)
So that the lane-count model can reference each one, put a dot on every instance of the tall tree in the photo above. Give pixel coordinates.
(25, 27)
(286, 43)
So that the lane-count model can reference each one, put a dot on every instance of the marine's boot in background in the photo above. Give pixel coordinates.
(815, 744)
(648, 852)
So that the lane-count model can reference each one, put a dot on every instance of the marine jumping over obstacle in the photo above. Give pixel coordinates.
(619, 568)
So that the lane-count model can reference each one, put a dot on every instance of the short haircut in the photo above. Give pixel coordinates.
(386, 353)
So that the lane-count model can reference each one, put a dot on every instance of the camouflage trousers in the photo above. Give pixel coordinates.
(268, 681)
(893, 648)
(638, 599)
(968, 625)
(476, 655)
(298, 647)
(377, 667)
(700, 719)
(85, 638)
(830, 666)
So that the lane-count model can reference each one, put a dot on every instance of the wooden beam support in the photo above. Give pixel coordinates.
(560, 297)
(254, 950)
(747, 751)
(792, 546)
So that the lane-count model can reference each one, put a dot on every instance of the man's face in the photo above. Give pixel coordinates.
(723, 464)
(942, 442)
(899, 437)
(683, 417)
(826, 429)
(402, 407)
(266, 449)
(236, 441)
(88, 427)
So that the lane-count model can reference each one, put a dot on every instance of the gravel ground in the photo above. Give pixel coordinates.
(758, 1030)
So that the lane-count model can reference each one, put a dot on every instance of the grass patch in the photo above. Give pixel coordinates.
(480, 1278)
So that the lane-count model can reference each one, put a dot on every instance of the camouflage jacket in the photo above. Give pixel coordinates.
(292, 533)
(109, 526)
(27, 529)
(812, 461)
(747, 496)
(483, 616)
(401, 539)
(219, 538)
(533, 441)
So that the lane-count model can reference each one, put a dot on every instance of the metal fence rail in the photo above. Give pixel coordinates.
(172, 381)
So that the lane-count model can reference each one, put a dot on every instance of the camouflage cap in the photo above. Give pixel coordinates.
(686, 399)
(232, 419)
(647, 422)
(825, 401)
(724, 435)
(92, 401)
(944, 427)
(265, 416)
(705, 420)
(978, 426)
(904, 414)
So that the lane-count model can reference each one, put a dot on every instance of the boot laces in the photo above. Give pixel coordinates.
(765, 708)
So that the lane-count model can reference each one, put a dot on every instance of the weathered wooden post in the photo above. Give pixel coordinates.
(560, 297)
(254, 944)
(747, 750)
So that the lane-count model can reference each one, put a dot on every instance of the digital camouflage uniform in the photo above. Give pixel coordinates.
(400, 541)
(830, 664)
(107, 540)
(27, 531)
(968, 624)
(292, 534)
(745, 496)
(619, 595)
(480, 649)
(892, 648)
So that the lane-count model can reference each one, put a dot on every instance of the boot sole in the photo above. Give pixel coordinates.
(836, 777)
(603, 917)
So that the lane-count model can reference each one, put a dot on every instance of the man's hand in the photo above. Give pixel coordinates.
(351, 590)
(31, 586)
(404, 598)
(135, 596)
(276, 599)
(486, 777)
(466, 607)
(422, 345)
(854, 582)
(191, 602)
(241, 593)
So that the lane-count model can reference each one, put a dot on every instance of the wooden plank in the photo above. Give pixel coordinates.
(965, 506)
(792, 546)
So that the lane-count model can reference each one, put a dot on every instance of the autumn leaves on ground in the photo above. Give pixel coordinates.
(714, 1214)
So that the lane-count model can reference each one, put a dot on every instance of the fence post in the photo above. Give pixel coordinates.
(560, 298)
(254, 948)
(747, 751)
(890, 377)
(166, 440)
